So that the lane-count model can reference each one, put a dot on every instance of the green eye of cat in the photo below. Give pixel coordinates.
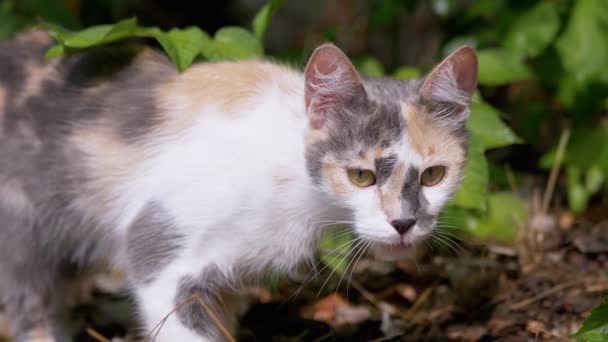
(362, 178)
(433, 175)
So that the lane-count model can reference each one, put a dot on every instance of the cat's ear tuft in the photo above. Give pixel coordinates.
(331, 82)
(452, 83)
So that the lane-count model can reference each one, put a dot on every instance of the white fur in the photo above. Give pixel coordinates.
(218, 182)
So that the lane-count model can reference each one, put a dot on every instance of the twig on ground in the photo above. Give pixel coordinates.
(97, 336)
(561, 148)
(522, 304)
(157, 328)
(418, 303)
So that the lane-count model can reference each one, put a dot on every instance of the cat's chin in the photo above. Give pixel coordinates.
(394, 251)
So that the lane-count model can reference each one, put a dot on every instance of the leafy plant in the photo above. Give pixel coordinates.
(595, 327)
(183, 46)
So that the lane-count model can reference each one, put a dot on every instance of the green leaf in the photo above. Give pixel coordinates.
(406, 73)
(183, 46)
(594, 178)
(506, 212)
(10, 22)
(232, 43)
(95, 35)
(370, 67)
(534, 30)
(261, 20)
(486, 124)
(497, 67)
(335, 246)
(458, 220)
(588, 147)
(583, 46)
(55, 51)
(383, 12)
(578, 197)
(595, 327)
(472, 192)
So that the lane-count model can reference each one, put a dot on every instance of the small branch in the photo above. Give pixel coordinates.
(194, 297)
(561, 149)
(522, 304)
(97, 336)
(418, 303)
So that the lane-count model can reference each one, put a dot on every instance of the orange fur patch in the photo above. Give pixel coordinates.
(335, 176)
(429, 140)
(36, 75)
(280, 181)
(108, 160)
(40, 334)
(224, 84)
(34, 37)
(390, 197)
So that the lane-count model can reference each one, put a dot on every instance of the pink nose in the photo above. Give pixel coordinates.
(402, 226)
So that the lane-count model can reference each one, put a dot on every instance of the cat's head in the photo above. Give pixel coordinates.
(392, 152)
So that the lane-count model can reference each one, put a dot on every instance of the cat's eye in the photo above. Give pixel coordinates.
(362, 178)
(433, 175)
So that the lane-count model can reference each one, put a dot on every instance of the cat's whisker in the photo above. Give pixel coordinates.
(356, 250)
(446, 241)
(312, 274)
(365, 248)
(330, 275)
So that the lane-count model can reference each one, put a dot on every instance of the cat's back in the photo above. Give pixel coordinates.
(75, 129)
(53, 96)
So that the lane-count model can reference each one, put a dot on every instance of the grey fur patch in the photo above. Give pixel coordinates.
(384, 168)
(153, 241)
(413, 202)
(44, 229)
(373, 119)
(194, 315)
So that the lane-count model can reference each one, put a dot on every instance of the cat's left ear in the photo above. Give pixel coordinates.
(331, 83)
(452, 84)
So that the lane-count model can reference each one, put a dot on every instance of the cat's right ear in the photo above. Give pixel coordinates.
(331, 82)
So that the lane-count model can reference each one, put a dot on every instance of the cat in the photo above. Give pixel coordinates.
(196, 183)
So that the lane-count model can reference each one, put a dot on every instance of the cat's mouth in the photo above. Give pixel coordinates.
(393, 251)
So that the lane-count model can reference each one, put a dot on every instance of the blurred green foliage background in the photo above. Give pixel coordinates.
(543, 72)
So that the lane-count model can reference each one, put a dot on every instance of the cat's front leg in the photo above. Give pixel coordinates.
(185, 308)
(179, 296)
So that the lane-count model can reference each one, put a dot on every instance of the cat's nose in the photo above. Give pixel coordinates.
(402, 226)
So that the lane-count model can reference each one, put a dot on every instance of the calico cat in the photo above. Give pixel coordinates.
(197, 183)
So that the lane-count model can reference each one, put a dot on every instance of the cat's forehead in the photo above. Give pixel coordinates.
(400, 125)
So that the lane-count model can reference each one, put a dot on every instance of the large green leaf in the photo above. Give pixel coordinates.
(486, 124)
(335, 246)
(233, 43)
(183, 46)
(406, 72)
(506, 212)
(95, 35)
(497, 67)
(583, 46)
(595, 327)
(534, 30)
(261, 20)
(588, 147)
(472, 193)
(369, 66)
